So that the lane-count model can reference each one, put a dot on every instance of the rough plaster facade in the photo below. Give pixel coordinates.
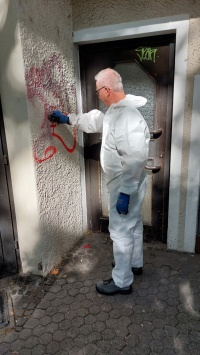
(49, 77)
(37, 75)
(44, 161)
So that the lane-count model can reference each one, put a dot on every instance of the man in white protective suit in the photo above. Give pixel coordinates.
(124, 153)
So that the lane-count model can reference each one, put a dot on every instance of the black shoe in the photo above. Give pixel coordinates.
(108, 287)
(135, 270)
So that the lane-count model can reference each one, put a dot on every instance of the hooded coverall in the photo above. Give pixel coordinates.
(124, 153)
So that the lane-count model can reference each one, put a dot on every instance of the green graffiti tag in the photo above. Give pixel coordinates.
(146, 53)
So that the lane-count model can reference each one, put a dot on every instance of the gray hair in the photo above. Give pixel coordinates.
(109, 77)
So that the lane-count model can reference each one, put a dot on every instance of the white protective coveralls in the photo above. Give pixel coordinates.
(124, 153)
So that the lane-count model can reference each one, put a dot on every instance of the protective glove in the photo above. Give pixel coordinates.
(122, 203)
(58, 117)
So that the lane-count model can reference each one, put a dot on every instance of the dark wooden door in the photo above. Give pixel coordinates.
(8, 244)
(146, 66)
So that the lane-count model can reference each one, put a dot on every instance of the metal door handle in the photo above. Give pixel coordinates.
(153, 168)
(156, 132)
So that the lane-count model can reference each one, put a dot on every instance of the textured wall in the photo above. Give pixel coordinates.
(46, 35)
(17, 130)
(93, 13)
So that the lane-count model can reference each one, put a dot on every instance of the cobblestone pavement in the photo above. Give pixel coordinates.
(63, 314)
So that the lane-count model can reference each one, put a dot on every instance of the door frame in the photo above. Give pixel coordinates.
(9, 202)
(94, 57)
(174, 24)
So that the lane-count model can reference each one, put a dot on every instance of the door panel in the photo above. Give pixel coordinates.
(146, 67)
(8, 257)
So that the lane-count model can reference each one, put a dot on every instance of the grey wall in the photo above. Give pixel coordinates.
(46, 37)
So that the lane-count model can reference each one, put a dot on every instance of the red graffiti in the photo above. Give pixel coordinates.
(51, 150)
(48, 84)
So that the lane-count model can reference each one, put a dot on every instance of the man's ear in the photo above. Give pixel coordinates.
(107, 91)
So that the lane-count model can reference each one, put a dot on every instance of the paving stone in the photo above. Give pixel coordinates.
(55, 289)
(79, 297)
(62, 294)
(105, 346)
(98, 326)
(132, 340)
(65, 315)
(90, 319)
(32, 323)
(67, 344)
(56, 302)
(102, 317)
(68, 300)
(94, 337)
(4, 348)
(109, 322)
(28, 313)
(85, 329)
(73, 306)
(108, 334)
(158, 334)
(39, 330)
(78, 322)
(135, 329)
(80, 341)
(90, 295)
(44, 304)
(87, 304)
(172, 352)
(142, 293)
(59, 335)
(52, 327)
(76, 351)
(50, 311)
(31, 342)
(52, 347)
(45, 338)
(114, 314)
(63, 308)
(50, 296)
(10, 337)
(21, 321)
(19, 312)
(38, 350)
(122, 331)
(26, 352)
(127, 350)
(70, 314)
(90, 349)
(57, 318)
(60, 282)
(25, 334)
(124, 321)
(38, 313)
(65, 324)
